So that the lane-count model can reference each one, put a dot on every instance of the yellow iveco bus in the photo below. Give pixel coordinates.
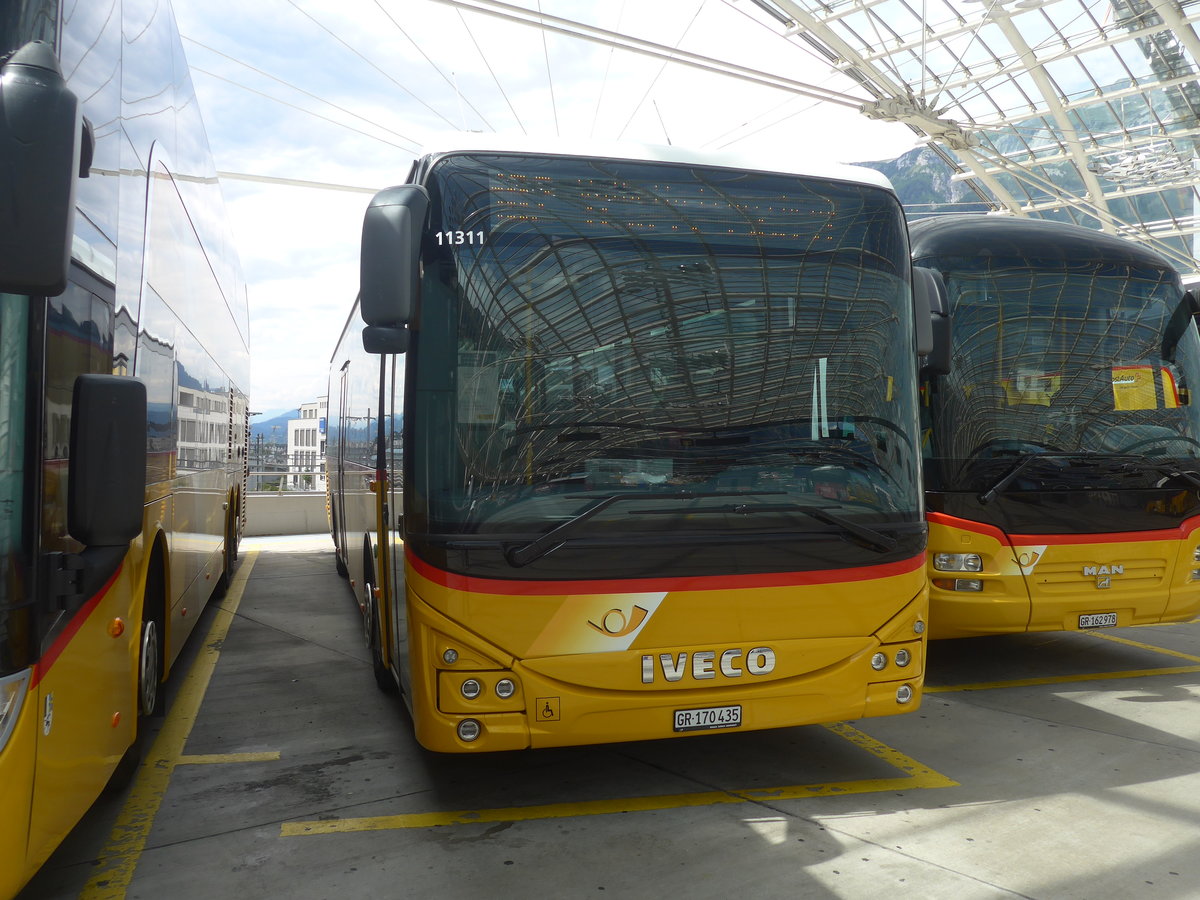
(123, 371)
(623, 444)
(1063, 454)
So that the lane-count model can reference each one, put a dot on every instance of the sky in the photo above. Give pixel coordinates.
(343, 95)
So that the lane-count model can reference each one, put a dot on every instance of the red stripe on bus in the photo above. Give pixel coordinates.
(60, 643)
(685, 583)
(1177, 533)
(936, 518)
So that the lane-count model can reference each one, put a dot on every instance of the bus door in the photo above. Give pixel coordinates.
(337, 478)
(396, 608)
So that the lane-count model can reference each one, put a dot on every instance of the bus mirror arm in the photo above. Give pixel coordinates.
(41, 139)
(389, 264)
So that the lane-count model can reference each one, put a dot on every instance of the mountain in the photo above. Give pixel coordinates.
(274, 429)
(922, 181)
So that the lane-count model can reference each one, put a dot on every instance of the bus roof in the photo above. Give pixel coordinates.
(976, 235)
(784, 163)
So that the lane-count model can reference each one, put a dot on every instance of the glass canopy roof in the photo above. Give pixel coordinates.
(1077, 110)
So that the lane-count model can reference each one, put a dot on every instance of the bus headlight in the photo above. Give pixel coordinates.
(471, 689)
(904, 694)
(505, 688)
(903, 657)
(958, 562)
(879, 661)
(469, 730)
(12, 697)
(958, 584)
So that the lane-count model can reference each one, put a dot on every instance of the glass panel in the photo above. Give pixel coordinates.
(16, 633)
(1052, 358)
(721, 350)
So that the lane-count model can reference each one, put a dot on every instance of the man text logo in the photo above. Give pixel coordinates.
(733, 663)
(1103, 570)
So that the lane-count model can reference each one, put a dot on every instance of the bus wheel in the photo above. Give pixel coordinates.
(229, 556)
(339, 564)
(149, 694)
(383, 676)
(149, 703)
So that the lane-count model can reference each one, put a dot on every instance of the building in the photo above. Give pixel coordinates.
(306, 447)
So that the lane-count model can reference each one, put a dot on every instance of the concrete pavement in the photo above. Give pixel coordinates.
(1042, 766)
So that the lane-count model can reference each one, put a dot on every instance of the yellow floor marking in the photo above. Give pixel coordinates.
(1094, 676)
(1059, 679)
(1151, 647)
(208, 759)
(920, 777)
(120, 856)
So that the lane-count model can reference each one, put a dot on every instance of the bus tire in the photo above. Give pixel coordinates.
(150, 702)
(371, 624)
(383, 675)
(339, 563)
(229, 553)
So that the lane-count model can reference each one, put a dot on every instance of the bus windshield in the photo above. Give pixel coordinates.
(730, 349)
(15, 641)
(1066, 363)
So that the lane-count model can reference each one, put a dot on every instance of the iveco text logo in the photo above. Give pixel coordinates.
(1103, 570)
(733, 663)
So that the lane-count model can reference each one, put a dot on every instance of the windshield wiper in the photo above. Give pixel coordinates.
(877, 539)
(630, 426)
(1091, 457)
(1131, 462)
(556, 537)
(1007, 478)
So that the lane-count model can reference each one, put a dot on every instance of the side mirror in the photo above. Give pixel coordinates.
(381, 339)
(932, 304)
(389, 265)
(41, 134)
(925, 287)
(106, 490)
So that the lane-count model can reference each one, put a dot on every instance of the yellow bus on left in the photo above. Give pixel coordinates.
(124, 366)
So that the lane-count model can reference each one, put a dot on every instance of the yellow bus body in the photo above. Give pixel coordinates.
(78, 717)
(1048, 582)
(587, 658)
